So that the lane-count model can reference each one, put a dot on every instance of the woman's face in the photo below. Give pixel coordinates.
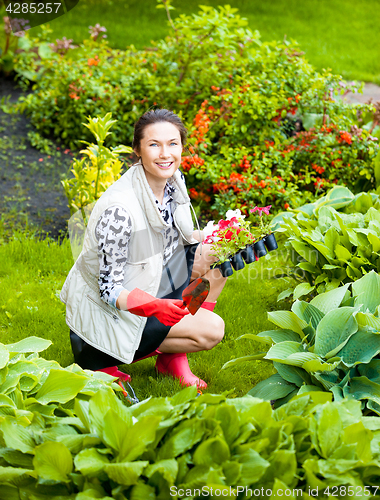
(160, 151)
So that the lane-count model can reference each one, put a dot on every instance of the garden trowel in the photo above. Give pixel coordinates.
(195, 294)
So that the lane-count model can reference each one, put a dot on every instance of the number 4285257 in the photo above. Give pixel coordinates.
(33, 8)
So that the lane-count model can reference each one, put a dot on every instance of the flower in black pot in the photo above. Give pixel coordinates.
(266, 240)
(229, 239)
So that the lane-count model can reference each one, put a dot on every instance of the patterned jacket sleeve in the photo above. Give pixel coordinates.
(113, 231)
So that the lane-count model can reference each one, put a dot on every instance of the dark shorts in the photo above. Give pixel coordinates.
(153, 335)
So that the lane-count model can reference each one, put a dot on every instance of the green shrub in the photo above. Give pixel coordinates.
(332, 241)
(65, 434)
(238, 96)
(328, 344)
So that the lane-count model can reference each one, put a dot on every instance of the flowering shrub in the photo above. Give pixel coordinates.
(244, 148)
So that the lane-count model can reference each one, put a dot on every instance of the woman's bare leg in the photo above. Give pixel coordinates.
(205, 329)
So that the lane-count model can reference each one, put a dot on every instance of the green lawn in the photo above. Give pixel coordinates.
(32, 273)
(339, 34)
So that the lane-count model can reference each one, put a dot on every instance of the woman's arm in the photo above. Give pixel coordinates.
(113, 231)
(196, 235)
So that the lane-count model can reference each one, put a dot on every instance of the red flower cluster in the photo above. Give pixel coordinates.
(318, 169)
(191, 161)
(202, 124)
(345, 137)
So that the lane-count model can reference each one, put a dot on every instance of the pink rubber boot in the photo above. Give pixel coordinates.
(177, 366)
(114, 372)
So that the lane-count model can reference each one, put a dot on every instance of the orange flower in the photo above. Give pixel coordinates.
(286, 206)
(73, 95)
(94, 61)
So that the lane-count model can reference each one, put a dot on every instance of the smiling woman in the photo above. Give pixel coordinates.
(123, 295)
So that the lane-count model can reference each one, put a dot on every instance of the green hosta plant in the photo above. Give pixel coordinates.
(332, 241)
(97, 170)
(64, 434)
(328, 344)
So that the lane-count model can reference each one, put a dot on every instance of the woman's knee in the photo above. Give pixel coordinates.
(213, 332)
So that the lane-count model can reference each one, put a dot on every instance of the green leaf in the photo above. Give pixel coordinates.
(29, 344)
(279, 335)
(243, 359)
(283, 295)
(329, 429)
(334, 330)
(288, 320)
(328, 301)
(253, 467)
(342, 253)
(302, 289)
(182, 438)
(274, 387)
(10, 475)
(4, 356)
(367, 291)
(90, 462)
(363, 388)
(17, 436)
(53, 461)
(126, 473)
(167, 468)
(292, 374)
(357, 434)
(60, 386)
(138, 437)
(360, 348)
(290, 353)
(308, 312)
(213, 450)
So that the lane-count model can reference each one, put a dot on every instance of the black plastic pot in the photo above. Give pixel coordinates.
(248, 254)
(237, 261)
(270, 242)
(225, 268)
(259, 248)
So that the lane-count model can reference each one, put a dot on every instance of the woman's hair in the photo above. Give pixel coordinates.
(156, 116)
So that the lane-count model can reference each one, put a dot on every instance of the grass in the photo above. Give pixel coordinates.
(336, 34)
(32, 272)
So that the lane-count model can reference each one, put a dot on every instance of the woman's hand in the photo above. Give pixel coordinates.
(168, 311)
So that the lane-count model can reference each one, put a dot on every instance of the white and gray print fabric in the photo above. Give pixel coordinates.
(113, 231)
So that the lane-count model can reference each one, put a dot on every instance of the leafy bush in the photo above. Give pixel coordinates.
(333, 241)
(65, 434)
(95, 172)
(328, 344)
(241, 99)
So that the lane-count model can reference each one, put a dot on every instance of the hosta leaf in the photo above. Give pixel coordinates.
(288, 321)
(305, 251)
(11, 474)
(360, 348)
(185, 436)
(213, 450)
(283, 350)
(302, 289)
(60, 386)
(329, 429)
(4, 356)
(16, 436)
(308, 312)
(243, 359)
(342, 253)
(291, 374)
(90, 462)
(138, 437)
(328, 301)
(375, 242)
(360, 436)
(53, 461)
(253, 467)
(126, 473)
(363, 388)
(367, 291)
(317, 365)
(371, 370)
(284, 294)
(167, 468)
(280, 335)
(274, 387)
(327, 379)
(29, 344)
(334, 330)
